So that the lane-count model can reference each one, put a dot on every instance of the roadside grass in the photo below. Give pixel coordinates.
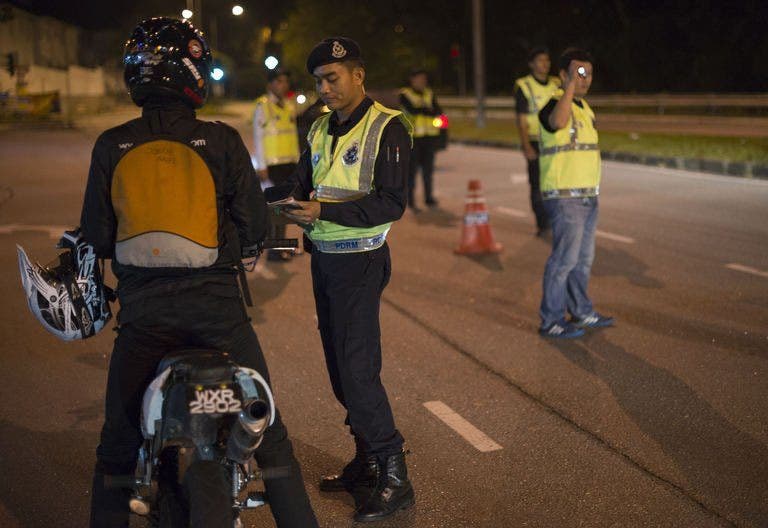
(753, 150)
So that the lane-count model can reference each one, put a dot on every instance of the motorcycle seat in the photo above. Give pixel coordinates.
(202, 365)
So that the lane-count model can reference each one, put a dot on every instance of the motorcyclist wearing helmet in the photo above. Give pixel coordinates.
(175, 204)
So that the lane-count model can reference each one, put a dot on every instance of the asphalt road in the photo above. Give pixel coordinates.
(660, 421)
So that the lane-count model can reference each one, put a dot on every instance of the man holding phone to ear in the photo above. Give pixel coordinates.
(570, 184)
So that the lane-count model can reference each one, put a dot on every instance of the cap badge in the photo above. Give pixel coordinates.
(338, 50)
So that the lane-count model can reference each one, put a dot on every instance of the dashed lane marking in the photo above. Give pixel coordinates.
(466, 430)
(614, 237)
(52, 231)
(511, 212)
(747, 269)
(508, 211)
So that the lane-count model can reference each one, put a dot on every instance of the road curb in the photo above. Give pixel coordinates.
(738, 169)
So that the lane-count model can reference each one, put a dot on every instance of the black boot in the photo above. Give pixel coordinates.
(393, 492)
(362, 471)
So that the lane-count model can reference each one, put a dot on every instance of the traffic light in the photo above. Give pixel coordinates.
(455, 51)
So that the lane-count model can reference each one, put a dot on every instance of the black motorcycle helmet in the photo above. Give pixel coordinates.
(167, 57)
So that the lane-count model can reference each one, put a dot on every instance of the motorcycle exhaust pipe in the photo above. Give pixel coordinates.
(248, 430)
(139, 506)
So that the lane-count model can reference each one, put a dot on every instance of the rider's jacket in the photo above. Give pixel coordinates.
(173, 201)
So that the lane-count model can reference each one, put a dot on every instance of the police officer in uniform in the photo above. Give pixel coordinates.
(275, 141)
(175, 204)
(419, 104)
(570, 184)
(352, 185)
(532, 92)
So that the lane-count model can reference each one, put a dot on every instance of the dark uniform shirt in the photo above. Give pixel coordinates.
(390, 177)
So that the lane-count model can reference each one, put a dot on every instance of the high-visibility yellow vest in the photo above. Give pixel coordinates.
(569, 159)
(537, 95)
(281, 140)
(423, 125)
(346, 175)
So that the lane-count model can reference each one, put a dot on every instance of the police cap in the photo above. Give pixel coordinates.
(334, 49)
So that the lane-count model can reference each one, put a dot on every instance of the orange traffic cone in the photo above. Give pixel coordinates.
(476, 235)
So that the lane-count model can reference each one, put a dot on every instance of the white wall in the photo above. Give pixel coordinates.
(47, 48)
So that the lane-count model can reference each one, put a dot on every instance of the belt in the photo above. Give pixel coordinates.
(350, 245)
(570, 146)
(584, 192)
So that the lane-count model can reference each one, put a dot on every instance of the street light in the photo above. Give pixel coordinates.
(217, 74)
(186, 14)
(271, 62)
(237, 10)
(301, 99)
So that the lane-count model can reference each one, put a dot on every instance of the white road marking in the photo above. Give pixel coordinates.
(517, 178)
(682, 173)
(603, 234)
(615, 237)
(469, 432)
(747, 269)
(53, 231)
(511, 212)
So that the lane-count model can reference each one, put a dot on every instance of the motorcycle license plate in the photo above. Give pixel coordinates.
(215, 399)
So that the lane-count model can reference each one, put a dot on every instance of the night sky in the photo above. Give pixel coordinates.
(639, 46)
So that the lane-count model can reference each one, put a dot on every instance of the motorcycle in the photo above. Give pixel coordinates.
(203, 417)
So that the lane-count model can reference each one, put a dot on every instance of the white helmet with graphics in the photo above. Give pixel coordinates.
(68, 296)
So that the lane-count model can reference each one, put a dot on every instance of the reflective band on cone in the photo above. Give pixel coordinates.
(476, 235)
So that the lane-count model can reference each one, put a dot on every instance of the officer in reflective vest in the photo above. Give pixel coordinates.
(570, 183)
(275, 141)
(352, 183)
(419, 104)
(532, 92)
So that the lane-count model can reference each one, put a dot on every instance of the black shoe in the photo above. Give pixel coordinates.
(432, 203)
(362, 471)
(392, 494)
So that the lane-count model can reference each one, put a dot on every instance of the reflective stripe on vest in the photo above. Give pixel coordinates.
(352, 245)
(423, 125)
(571, 146)
(537, 96)
(569, 160)
(347, 174)
(571, 193)
(281, 140)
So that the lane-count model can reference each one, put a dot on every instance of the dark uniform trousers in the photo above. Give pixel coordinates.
(537, 203)
(348, 288)
(149, 329)
(422, 156)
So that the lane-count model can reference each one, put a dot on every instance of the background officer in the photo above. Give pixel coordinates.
(532, 92)
(174, 203)
(275, 141)
(570, 183)
(355, 176)
(419, 104)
